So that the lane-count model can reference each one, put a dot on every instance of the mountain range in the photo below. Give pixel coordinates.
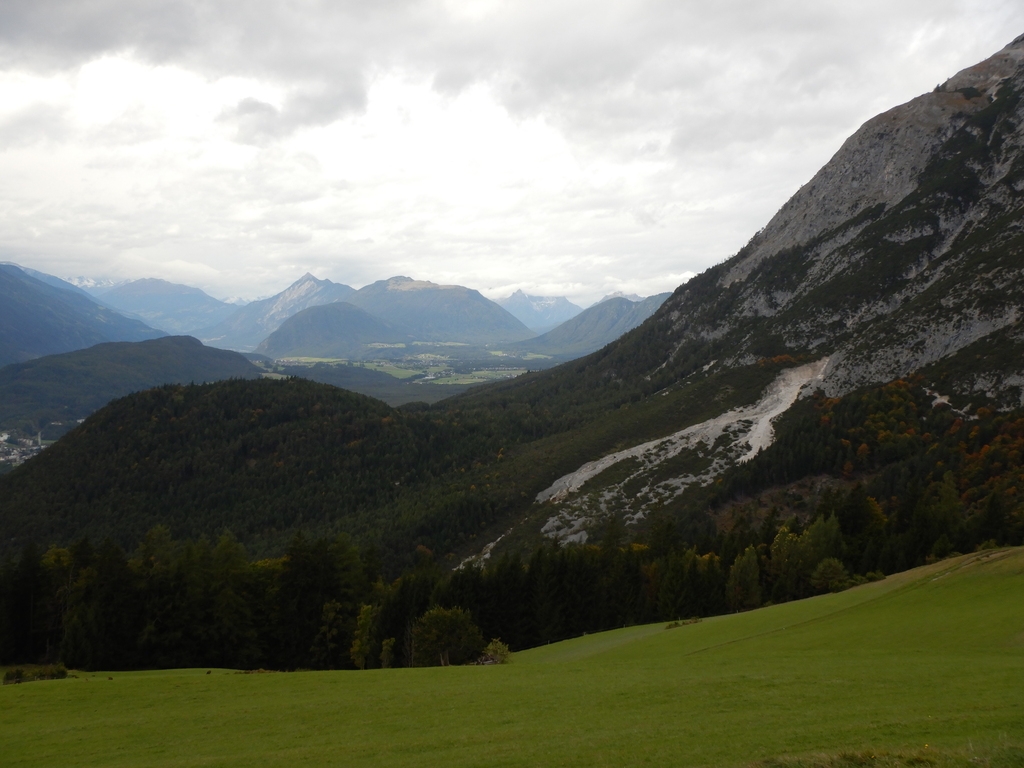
(167, 306)
(247, 326)
(539, 313)
(447, 313)
(337, 330)
(42, 318)
(398, 311)
(868, 337)
(593, 327)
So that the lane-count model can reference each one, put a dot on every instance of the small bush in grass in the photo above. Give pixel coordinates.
(49, 672)
(496, 652)
(830, 576)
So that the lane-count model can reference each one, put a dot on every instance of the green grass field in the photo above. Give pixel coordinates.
(924, 668)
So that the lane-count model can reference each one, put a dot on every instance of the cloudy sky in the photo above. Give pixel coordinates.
(566, 147)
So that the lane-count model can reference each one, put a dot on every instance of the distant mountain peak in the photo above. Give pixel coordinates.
(402, 283)
(620, 295)
(539, 313)
(252, 323)
(439, 312)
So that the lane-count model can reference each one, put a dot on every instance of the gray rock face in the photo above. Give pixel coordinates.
(247, 326)
(904, 249)
(881, 162)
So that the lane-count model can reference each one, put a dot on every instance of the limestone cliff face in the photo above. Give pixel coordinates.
(906, 248)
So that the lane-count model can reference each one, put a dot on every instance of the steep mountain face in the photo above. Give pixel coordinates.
(168, 306)
(903, 255)
(67, 387)
(39, 319)
(439, 312)
(594, 327)
(339, 330)
(539, 313)
(905, 248)
(249, 325)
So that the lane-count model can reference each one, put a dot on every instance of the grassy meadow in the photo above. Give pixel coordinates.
(923, 668)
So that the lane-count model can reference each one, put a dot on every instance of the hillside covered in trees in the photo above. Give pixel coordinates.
(853, 488)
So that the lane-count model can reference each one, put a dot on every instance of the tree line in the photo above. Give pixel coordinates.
(326, 605)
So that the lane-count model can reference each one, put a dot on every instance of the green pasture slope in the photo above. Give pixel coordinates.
(931, 657)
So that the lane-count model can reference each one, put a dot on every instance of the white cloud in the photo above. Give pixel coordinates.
(560, 145)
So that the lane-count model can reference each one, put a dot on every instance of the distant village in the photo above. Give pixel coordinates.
(16, 449)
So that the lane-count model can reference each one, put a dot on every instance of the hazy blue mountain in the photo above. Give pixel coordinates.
(439, 312)
(168, 306)
(539, 313)
(42, 277)
(247, 326)
(339, 330)
(594, 327)
(38, 319)
(71, 385)
(95, 286)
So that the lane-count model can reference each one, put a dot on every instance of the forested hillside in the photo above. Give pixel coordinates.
(68, 387)
(260, 458)
(854, 488)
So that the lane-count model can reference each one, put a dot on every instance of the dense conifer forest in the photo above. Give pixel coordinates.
(852, 489)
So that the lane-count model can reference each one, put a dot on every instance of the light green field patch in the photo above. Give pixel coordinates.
(394, 370)
(311, 360)
(524, 356)
(480, 376)
(440, 344)
(862, 679)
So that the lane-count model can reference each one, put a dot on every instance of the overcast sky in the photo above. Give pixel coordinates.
(565, 147)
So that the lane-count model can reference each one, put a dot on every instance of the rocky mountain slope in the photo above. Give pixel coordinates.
(249, 325)
(903, 255)
(905, 248)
